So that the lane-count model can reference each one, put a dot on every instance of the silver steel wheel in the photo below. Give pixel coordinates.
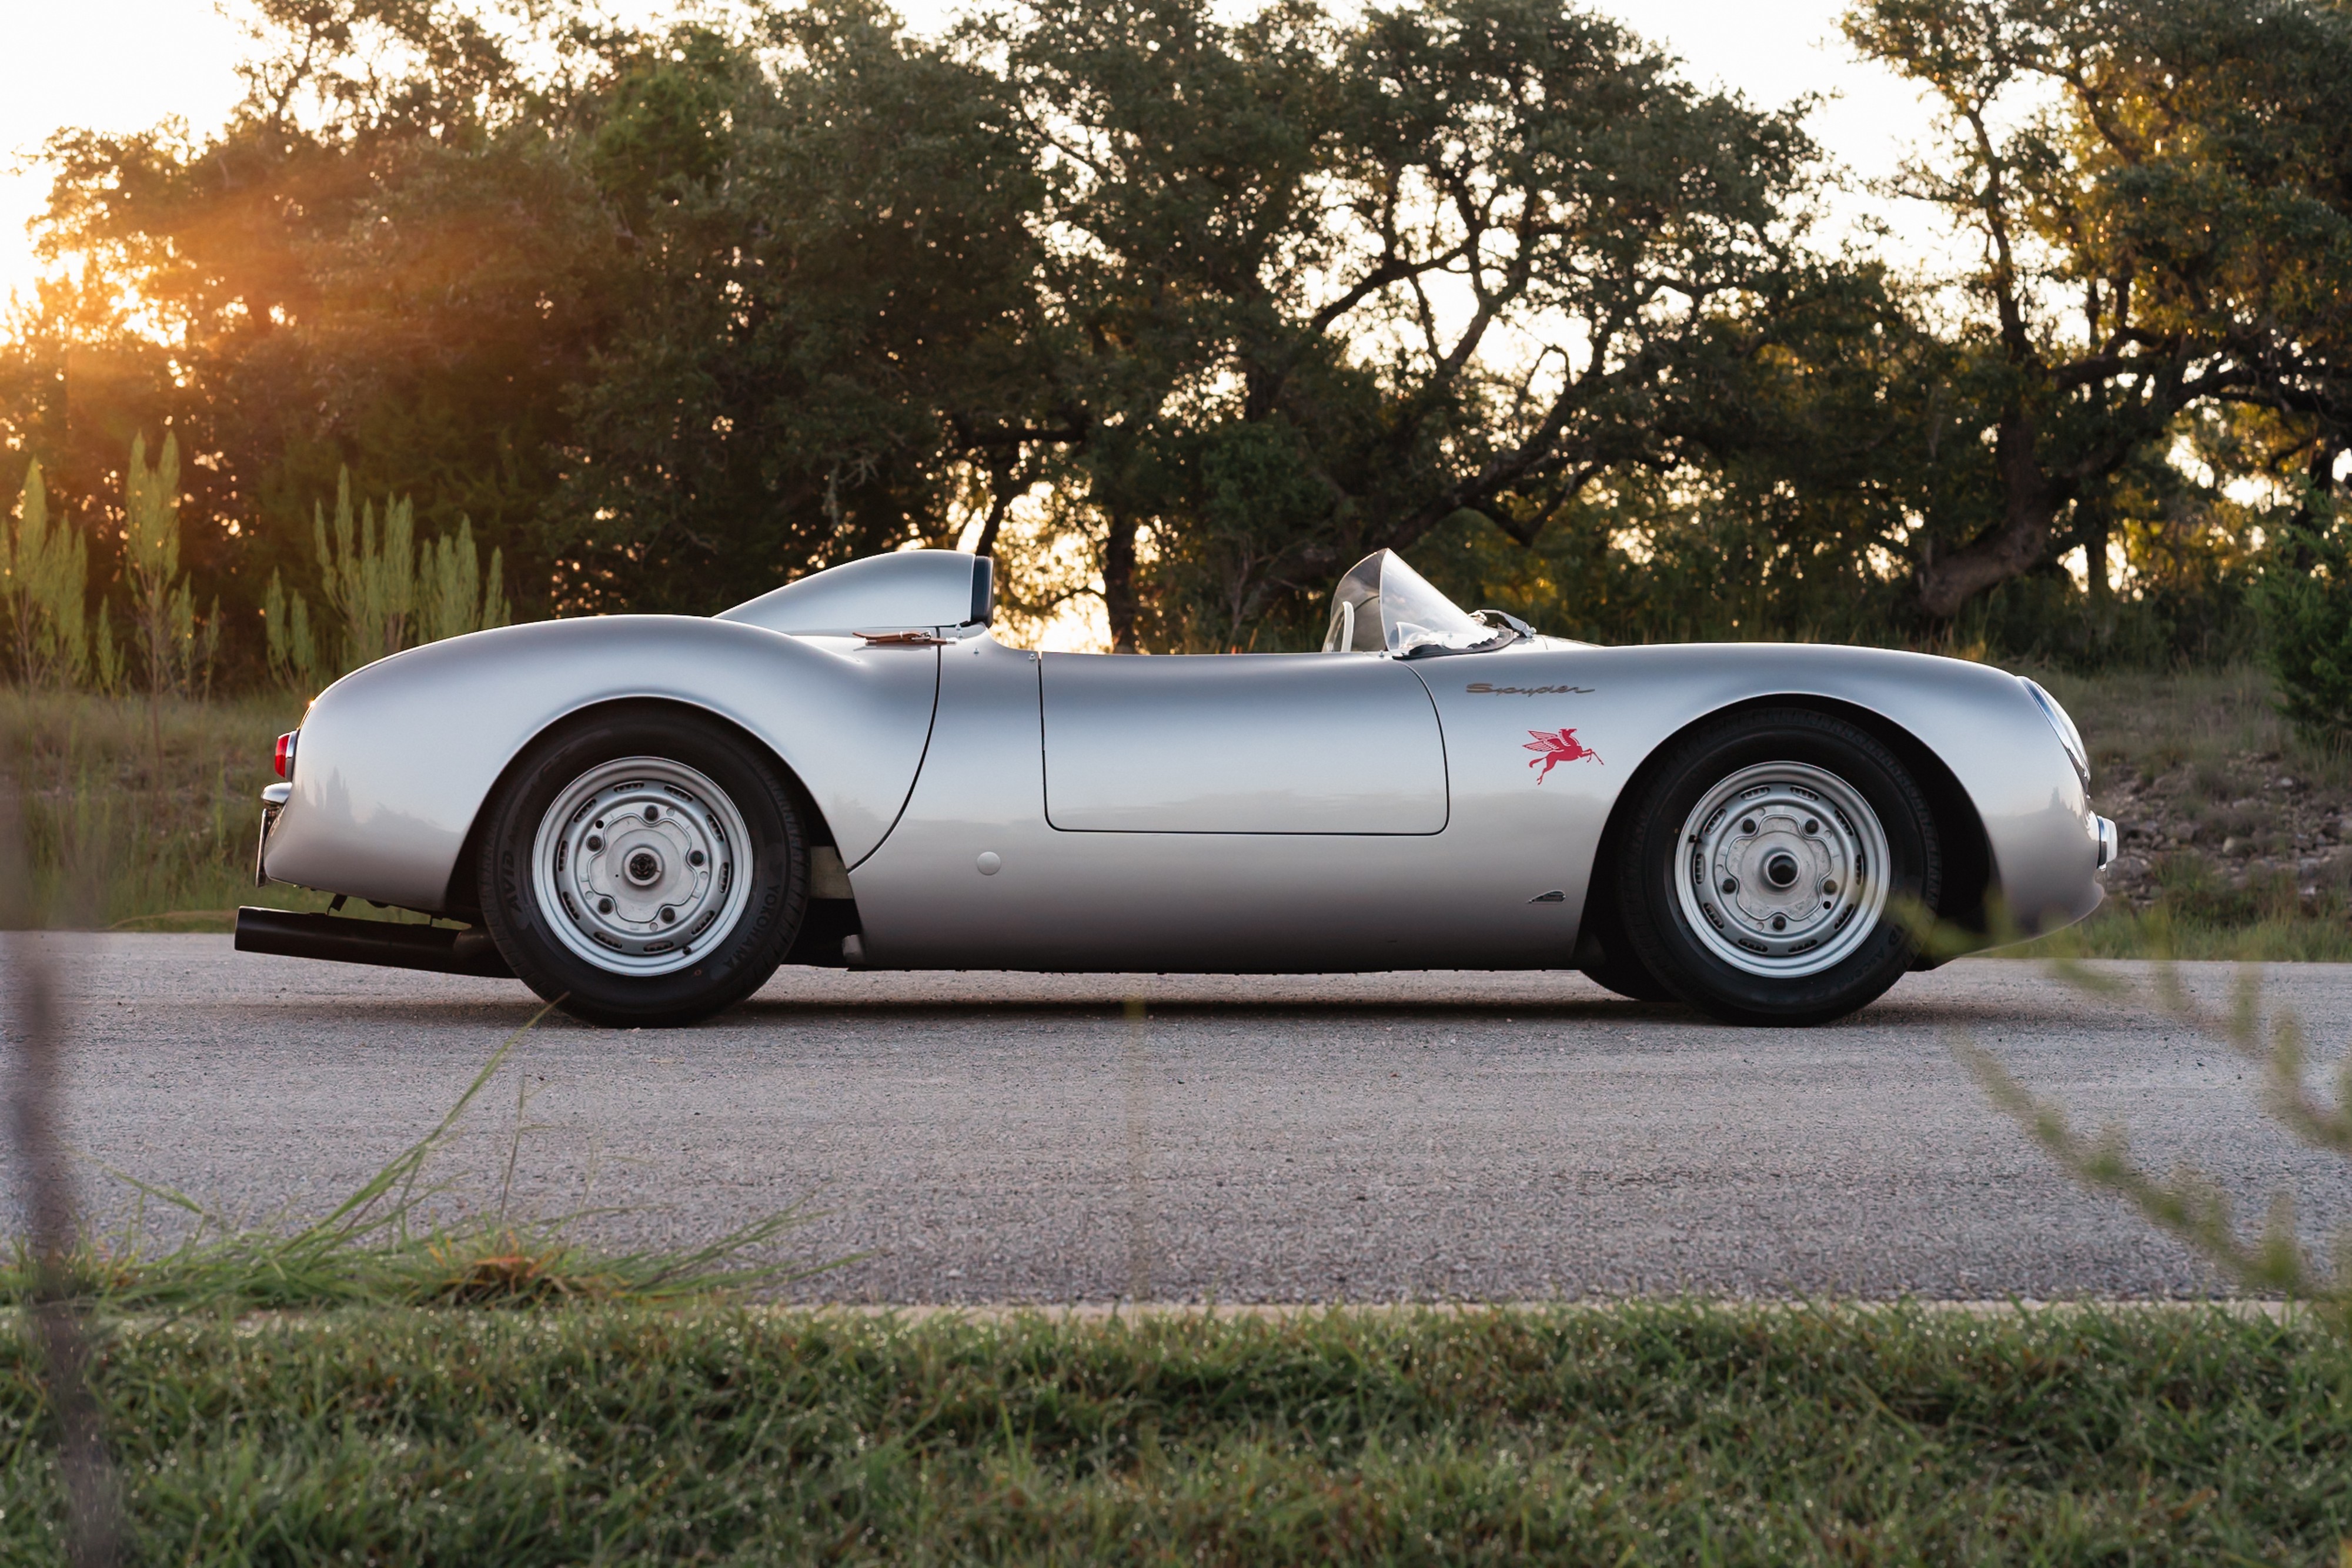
(639, 866)
(1784, 870)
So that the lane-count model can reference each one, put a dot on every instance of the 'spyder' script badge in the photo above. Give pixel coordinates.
(1487, 689)
(1559, 748)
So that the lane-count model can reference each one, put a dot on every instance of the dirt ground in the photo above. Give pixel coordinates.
(2222, 812)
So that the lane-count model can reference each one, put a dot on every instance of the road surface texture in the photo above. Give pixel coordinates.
(997, 1137)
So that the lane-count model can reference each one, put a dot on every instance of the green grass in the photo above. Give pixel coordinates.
(122, 835)
(2149, 721)
(1643, 1433)
(2167, 930)
(2224, 726)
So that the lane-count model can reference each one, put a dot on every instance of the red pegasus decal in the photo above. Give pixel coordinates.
(1558, 748)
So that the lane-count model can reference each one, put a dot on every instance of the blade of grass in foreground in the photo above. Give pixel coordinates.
(370, 1250)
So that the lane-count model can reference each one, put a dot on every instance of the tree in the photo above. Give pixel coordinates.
(664, 316)
(376, 261)
(2157, 190)
(836, 308)
(1329, 284)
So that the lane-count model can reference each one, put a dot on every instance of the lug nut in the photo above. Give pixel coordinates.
(694, 857)
(1731, 884)
(1748, 826)
(668, 914)
(1812, 826)
(603, 906)
(1829, 886)
(651, 813)
(1780, 923)
(595, 841)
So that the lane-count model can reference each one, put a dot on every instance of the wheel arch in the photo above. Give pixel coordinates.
(460, 899)
(1967, 882)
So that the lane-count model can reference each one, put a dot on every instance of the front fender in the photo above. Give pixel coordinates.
(1623, 704)
(398, 759)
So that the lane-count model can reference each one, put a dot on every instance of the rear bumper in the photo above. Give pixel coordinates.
(273, 801)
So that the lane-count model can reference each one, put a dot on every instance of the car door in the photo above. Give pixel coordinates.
(1337, 744)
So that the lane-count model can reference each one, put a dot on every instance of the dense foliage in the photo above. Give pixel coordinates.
(2306, 603)
(1181, 314)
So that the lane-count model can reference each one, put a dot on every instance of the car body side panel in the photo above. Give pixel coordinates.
(1184, 900)
(398, 759)
(1264, 743)
(1540, 744)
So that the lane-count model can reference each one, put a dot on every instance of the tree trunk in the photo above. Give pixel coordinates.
(998, 505)
(1118, 584)
(2030, 506)
(2094, 551)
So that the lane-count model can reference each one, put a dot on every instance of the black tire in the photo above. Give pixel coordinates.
(1612, 965)
(1626, 978)
(743, 939)
(1654, 856)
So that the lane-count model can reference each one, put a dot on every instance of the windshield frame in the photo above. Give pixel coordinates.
(1383, 606)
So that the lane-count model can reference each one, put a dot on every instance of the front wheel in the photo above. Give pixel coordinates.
(1765, 876)
(644, 867)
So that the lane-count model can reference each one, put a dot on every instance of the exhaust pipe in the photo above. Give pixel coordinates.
(378, 942)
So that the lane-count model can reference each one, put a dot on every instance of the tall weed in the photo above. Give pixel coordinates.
(2189, 1204)
(44, 576)
(385, 590)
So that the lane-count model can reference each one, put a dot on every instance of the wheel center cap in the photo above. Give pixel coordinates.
(1781, 869)
(643, 867)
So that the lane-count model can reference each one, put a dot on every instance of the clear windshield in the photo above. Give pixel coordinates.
(1384, 606)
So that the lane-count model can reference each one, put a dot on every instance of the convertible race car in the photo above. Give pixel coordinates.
(642, 816)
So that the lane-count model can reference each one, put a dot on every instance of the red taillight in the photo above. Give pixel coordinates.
(286, 753)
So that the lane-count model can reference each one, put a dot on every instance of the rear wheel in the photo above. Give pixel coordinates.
(1765, 876)
(644, 866)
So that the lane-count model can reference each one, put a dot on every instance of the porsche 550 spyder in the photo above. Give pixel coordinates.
(641, 817)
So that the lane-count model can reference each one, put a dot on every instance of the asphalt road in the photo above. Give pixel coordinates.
(994, 1137)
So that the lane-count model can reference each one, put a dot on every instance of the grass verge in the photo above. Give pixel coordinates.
(2118, 931)
(120, 834)
(1627, 1434)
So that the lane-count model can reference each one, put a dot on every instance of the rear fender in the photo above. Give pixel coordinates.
(398, 760)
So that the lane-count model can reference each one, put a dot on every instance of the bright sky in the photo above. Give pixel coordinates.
(124, 65)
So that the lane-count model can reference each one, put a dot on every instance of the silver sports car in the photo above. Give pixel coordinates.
(643, 816)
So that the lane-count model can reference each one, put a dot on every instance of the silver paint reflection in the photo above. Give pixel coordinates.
(399, 758)
(1342, 745)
